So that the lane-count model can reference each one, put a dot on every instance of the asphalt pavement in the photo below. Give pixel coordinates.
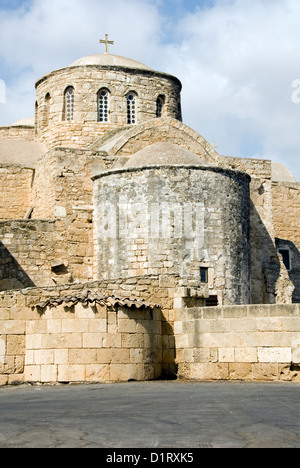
(151, 415)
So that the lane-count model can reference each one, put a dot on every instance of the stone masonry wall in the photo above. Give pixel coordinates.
(53, 130)
(107, 344)
(76, 344)
(173, 221)
(45, 252)
(17, 133)
(286, 211)
(265, 266)
(286, 215)
(238, 343)
(63, 189)
(15, 191)
(27, 249)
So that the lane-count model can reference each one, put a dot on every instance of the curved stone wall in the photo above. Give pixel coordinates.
(189, 223)
(51, 126)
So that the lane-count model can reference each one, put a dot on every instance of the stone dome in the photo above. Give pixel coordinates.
(28, 122)
(280, 173)
(109, 60)
(164, 154)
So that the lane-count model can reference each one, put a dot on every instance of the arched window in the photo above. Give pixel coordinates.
(103, 105)
(69, 104)
(36, 117)
(131, 108)
(159, 106)
(47, 109)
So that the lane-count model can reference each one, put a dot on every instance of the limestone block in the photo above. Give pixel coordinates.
(15, 345)
(60, 212)
(53, 326)
(34, 341)
(182, 341)
(82, 356)
(2, 350)
(240, 371)
(61, 340)
(36, 326)
(97, 373)
(244, 355)
(202, 355)
(92, 340)
(124, 372)
(75, 325)
(15, 379)
(48, 373)
(296, 351)
(140, 341)
(12, 327)
(270, 324)
(216, 371)
(32, 373)
(140, 356)
(226, 355)
(71, 373)
(111, 340)
(3, 379)
(243, 325)
(43, 356)
(97, 325)
(265, 371)
(127, 326)
(61, 356)
(274, 355)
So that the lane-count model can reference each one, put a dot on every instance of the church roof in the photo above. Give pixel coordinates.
(164, 154)
(109, 60)
(280, 173)
(28, 122)
(24, 153)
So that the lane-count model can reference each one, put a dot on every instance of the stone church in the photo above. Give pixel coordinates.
(109, 200)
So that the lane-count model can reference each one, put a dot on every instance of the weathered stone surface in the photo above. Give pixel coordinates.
(145, 210)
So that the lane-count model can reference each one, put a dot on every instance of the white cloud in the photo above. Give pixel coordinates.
(237, 61)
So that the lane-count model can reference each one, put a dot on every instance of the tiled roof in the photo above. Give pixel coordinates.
(92, 298)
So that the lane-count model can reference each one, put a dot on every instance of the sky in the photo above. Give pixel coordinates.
(238, 61)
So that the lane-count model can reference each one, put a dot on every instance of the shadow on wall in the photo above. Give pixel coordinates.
(265, 264)
(12, 275)
(291, 259)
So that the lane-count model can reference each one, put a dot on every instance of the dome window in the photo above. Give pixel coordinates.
(103, 105)
(131, 109)
(69, 104)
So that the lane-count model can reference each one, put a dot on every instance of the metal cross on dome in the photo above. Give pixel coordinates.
(106, 42)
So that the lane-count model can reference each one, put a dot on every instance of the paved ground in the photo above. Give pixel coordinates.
(151, 415)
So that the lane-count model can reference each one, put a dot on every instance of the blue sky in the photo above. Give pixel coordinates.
(237, 60)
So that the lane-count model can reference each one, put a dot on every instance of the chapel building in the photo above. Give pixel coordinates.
(107, 182)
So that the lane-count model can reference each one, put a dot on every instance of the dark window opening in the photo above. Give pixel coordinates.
(286, 257)
(204, 275)
(159, 106)
(212, 301)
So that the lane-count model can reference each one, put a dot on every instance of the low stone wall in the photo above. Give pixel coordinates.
(56, 335)
(22, 132)
(80, 343)
(238, 343)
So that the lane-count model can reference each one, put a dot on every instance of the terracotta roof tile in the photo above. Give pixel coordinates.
(88, 297)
